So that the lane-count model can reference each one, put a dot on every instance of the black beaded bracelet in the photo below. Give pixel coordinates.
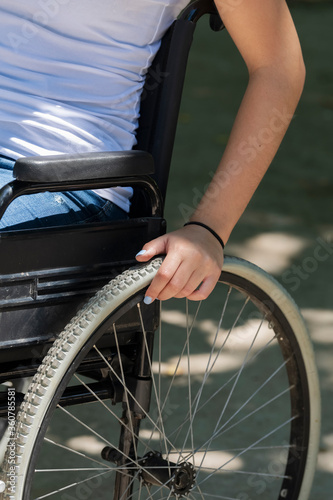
(208, 229)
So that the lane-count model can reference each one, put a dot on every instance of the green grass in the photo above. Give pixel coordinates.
(296, 195)
(295, 198)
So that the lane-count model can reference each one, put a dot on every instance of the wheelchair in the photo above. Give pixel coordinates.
(107, 397)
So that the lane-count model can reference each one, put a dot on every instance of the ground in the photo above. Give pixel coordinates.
(288, 226)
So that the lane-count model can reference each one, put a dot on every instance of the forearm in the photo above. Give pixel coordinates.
(262, 120)
(265, 35)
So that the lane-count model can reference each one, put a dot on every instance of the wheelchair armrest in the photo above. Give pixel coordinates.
(80, 167)
(83, 171)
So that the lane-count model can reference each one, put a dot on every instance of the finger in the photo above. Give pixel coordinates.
(183, 282)
(192, 284)
(205, 289)
(163, 277)
(152, 248)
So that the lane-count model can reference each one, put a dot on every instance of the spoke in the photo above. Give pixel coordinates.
(130, 394)
(128, 487)
(257, 448)
(48, 440)
(223, 386)
(119, 467)
(136, 463)
(126, 394)
(235, 374)
(249, 447)
(99, 436)
(84, 425)
(148, 489)
(200, 492)
(181, 355)
(177, 366)
(121, 422)
(160, 488)
(171, 446)
(169, 495)
(214, 496)
(160, 420)
(207, 371)
(140, 490)
(74, 470)
(255, 393)
(252, 413)
(190, 428)
(235, 382)
(159, 353)
(246, 473)
(219, 432)
(70, 486)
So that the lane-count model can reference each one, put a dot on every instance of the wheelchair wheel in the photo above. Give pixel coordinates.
(233, 399)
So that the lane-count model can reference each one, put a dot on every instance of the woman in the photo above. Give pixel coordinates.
(72, 73)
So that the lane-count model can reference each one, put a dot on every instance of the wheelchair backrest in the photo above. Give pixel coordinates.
(162, 93)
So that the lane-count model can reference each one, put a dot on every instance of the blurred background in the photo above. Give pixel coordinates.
(288, 227)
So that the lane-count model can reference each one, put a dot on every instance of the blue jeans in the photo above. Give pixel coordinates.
(54, 209)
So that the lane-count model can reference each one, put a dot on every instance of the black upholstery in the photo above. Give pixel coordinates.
(68, 168)
(164, 85)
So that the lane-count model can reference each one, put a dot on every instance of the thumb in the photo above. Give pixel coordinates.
(152, 248)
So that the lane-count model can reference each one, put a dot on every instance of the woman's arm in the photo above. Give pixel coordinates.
(264, 33)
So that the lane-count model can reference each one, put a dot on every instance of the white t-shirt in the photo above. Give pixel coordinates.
(72, 72)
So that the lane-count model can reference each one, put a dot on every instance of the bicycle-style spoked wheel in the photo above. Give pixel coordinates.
(234, 407)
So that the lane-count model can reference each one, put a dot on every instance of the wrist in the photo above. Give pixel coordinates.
(218, 224)
(207, 228)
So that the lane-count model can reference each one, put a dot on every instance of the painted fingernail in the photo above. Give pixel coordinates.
(142, 252)
(147, 300)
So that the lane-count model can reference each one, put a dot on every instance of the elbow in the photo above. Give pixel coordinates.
(294, 73)
(284, 78)
(292, 82)
(297, 78)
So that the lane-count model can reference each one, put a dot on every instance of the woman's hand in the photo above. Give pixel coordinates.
(192, 265)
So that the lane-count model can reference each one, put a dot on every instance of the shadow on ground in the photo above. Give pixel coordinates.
(288, 227)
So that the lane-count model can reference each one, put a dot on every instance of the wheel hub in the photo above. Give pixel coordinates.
(153, 469)
(156, 470)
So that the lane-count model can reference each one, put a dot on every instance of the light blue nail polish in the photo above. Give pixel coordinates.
(147, 300)
(142, 252)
